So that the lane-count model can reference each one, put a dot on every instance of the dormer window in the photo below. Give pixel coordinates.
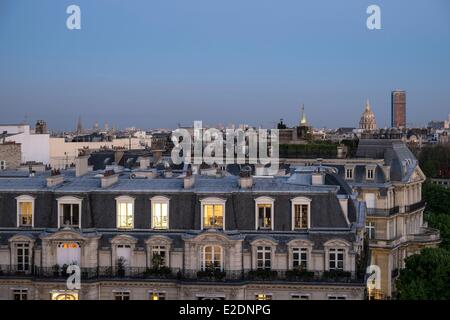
(370, 173)
(125, 212)
(160, 213)
(213, 213)
(25, 211)
(349, 173)
(301, 208)
(264, 213)
(69, 212)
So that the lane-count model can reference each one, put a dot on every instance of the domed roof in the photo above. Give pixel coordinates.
(368, 121)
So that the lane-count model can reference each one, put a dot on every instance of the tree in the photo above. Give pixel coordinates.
(437, 198)
(426, 276)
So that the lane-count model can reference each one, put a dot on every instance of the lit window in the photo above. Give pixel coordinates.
(122, 295)
(20, 294)
(301, 216)
(157, 295)
(370, 173)
(263, 296)
(159, 256)
(300, 258)
(349, 173)
(160, 215)
(64, 295)
(300, 297)
(69, 215)
(264, 216)
(212, 258)
(25, 208)
(370, 229)
(23, 257)
(125, 212)
(263, 257)
(336, 257)
(213, 216)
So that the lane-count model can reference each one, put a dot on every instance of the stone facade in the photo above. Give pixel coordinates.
(10, 155)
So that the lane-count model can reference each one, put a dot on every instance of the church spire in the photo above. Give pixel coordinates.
(303, 121)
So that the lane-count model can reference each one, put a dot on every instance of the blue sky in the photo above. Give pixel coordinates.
(157, 63)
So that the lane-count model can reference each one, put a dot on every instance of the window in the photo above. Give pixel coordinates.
(20, 294)
(301, 216)
(125, 212)
(264, 216)
(153, 295)
(263, 296)
(25, 208)
(23, 257)
(336, 259)
(370, 229)
(69, 215)
(159, 256)
(370, 173)
(300, 296)
(337, 297)
(349, 173)
(212, 258)
(2, 165)
(122, 295)
(64, 295)
(68, 253)
(300, 258)
(213, 216)
(160, 213)
(263, 257)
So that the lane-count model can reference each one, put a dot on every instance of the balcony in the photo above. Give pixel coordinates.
(426, 235)
(135, 273)
(383, 212)
(415, 206)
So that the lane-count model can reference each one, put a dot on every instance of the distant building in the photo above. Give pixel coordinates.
(34, 147)
(41, 127)
(10, 155)
(398, 109)
(367, 121)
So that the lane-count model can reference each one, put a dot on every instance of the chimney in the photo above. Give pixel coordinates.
(144, 163)
(340, 152)
(317, 178)
(81, 165)
(55, 179)
(189, 179)
(109, 178)
(245, 178)
(387, 172)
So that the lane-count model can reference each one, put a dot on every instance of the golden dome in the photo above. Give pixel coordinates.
(368, 121)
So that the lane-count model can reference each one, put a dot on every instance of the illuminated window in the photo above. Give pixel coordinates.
(160, 215)
(213, 216)
(300, 258)
(25, 208)
(301, 216)
(23, 256)
(64, 295)
(263, 296)
(264, 216)
(212, 258)
(20, 294)
(122, 295)
(157, 295)
(336, 259)
(125, 212)
(263, 257)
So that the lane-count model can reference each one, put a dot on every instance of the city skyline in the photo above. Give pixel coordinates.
(161, 66)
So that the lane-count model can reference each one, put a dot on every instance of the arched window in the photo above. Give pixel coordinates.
(212, 258)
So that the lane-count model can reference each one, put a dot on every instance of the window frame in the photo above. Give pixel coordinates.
(264, 201)
(159, 200)
(203, 266)
(69, 200)
(264, 251)
(301, 251)
(127, 200)
(335, 251)
(300, 201)
(25, 199)
(121, 294)
(22, 292)
(212, 201)
(370, 230)
(162, 295)
(371, 170)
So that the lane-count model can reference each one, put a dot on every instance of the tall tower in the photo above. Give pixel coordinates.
(303, 121)
(398, 109)
(79, 126)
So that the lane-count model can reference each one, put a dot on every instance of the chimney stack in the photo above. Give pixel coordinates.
(245, 178)
(317, 178)
(81, 165)
(189, 179)
(144, 163)
(109, 178)
(55, 179)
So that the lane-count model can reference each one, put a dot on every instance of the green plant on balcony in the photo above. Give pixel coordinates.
(299, 274)
(121, 266)
(336, 275)
(262, 274)
(211, 272)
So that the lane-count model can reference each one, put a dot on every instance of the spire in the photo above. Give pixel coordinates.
(79, 126)
(367, 105)
(303, 121)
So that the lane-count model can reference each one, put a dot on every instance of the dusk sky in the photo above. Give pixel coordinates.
(157, 63)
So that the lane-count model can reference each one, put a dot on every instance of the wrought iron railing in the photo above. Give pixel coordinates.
(415, 206)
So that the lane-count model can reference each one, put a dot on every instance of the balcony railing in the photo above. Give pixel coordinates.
(383, 212)
(415, 206)
(56, 273)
